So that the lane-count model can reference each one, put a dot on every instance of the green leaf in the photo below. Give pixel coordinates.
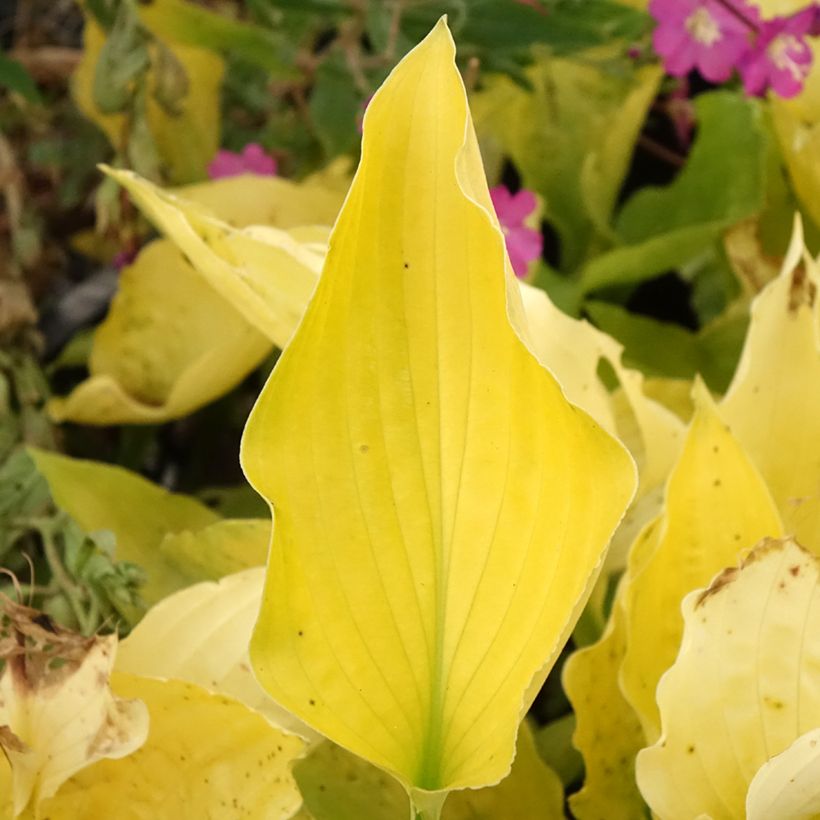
(193, 25)
(664, 349)
(564, 26)
(723, 182)
(334, 104)
(14, 77)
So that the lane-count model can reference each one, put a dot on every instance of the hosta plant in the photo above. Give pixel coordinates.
(447, 458)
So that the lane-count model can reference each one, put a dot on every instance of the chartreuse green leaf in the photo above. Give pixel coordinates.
(169, 345)
(773, 403)
(201, 634)
(140, 514)
(608, 733)
(441, 509)
(571, 136)
(337, 785)
(207, 755)
(743, 688)
(218, 549)
(788, 785)
(266, 273)
(716, 505)
(58, 714)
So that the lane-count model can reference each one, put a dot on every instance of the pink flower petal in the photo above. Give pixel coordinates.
(252, 160)
(523, 246)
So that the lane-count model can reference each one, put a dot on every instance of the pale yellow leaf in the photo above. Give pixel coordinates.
(250, 199)
(201, 635)
(140, 514)
(773, 403)
(57, 712)
(573, 351)
(788, 785)
(441, 509)
(266, 273)
(716, 505)
(169, 345)
(743, 688)
(207, 756)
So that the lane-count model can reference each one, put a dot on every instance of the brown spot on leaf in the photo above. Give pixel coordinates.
(802, 291)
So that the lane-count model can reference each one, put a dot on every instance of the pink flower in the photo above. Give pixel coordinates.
(252, 160)
(709, 35)
(781, 57)
(523, 243)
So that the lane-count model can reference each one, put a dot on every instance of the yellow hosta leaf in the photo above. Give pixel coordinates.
(219, 549)
(206, 756)
(249, 199)
(441, 509)
(201, 635)
(743, 688)
(266, 273)
(788, 785)
(169, 345)
(57, 712)
(773, 403)
(716, 505)
(186, 142)
(608, 733)
(140, 514)
(337, 785)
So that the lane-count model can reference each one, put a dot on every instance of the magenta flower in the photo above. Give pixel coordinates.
(781, 57)
(709, 35)
(524, 244)
(252, 160)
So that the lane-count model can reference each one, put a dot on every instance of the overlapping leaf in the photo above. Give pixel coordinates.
(266, 273)
(441, 508)
(201, 635)
(743, 688)
(608, 732)
(716, 505)
(206, 755)
(169, 345)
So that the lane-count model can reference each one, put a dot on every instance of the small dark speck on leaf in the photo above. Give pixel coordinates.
(312, 702)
